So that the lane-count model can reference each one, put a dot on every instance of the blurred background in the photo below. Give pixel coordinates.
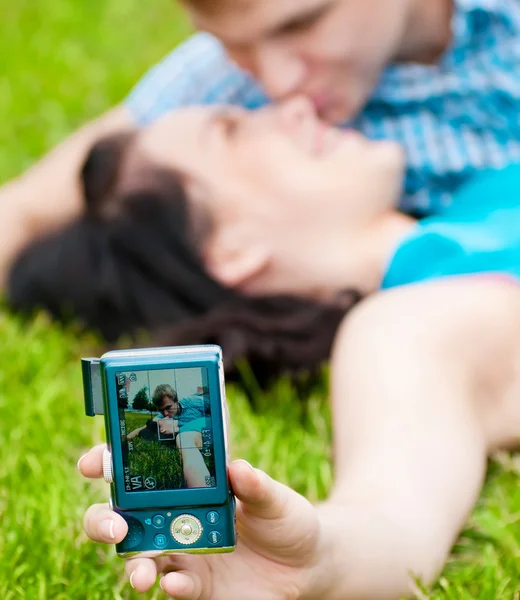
(62, 63)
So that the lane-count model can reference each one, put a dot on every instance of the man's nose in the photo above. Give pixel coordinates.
(280, 71)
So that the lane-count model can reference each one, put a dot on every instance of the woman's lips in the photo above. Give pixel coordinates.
(328, 139)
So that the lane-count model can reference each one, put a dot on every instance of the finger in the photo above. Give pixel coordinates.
(102, 524)
(259, 494)
(142, 573)
(182, 585)
(91, 464)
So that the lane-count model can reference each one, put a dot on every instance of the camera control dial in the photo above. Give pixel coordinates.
(186, 530)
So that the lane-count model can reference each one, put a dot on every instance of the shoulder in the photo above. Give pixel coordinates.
(451, 316)
(196, 72)
(477, 18)
(501, 187)
(191, 401)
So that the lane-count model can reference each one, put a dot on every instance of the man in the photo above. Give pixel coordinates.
(439, 76)
(166, 401)
(187, 417)
(184, 421)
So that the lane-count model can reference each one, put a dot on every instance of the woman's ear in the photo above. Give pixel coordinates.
(233, 260)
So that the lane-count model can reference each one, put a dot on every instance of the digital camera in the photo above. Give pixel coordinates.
(167, 453)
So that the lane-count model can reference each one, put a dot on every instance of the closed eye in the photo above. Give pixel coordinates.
(230, 124)
(304, 21)
(229, 120)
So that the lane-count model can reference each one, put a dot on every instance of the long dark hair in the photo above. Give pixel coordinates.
(129, 264)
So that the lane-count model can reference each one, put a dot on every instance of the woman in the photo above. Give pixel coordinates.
(253, 230)
(424, 377)
(132, 262)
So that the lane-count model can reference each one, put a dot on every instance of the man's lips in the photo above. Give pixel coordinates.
(321, 102)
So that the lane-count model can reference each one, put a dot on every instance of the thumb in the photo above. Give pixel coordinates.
(260, 495)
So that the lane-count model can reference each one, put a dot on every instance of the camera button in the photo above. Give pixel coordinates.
(186, 530)
(213, 517)
(108, 471)
(214, 537)
(160, 541)
(135, 535)
(158, 521)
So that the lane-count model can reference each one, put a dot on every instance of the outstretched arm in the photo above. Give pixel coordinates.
(135, 433)
(425, 384)
(48, 195)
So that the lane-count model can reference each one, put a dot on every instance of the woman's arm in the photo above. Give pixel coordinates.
(425, 384)
(48, 195)
(134, 433)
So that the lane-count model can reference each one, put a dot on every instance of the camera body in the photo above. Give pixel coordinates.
(167, 456)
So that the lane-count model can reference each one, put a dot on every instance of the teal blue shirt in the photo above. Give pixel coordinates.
(478, 233)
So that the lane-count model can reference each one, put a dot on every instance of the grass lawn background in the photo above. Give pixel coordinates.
(62, 62)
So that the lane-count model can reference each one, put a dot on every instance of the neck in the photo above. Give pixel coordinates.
(428, 31)
(379, 246)
(345, 260)
(341, 261)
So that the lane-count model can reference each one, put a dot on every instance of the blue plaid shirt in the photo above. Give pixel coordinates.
(453, 119)
(192, 408)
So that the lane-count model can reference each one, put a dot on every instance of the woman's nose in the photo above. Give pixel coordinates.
(296, 112)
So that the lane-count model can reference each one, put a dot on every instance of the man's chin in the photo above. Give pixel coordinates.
(337, 115)
(343, 111)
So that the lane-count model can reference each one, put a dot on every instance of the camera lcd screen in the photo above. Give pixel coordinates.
(166, 429)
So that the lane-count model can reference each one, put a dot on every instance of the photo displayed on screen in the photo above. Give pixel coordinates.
(166, 429)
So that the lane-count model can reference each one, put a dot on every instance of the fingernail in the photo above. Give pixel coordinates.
(161, 584)
(106, 529)
(79, 461)
(132, 578)
(246, 463)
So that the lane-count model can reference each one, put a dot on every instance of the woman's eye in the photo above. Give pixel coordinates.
(230, 124)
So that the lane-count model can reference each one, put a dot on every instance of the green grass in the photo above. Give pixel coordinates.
(64, 61)
(157, 460)
(161, 460)
(135, 420)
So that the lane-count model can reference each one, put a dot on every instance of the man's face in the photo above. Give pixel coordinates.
(169, 407)
(332, 51)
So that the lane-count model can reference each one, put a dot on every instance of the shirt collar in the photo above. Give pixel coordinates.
(465, 24)
(466, 21)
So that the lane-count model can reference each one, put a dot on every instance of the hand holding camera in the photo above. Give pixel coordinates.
(168, 427)
(276, 554)
(167, 453)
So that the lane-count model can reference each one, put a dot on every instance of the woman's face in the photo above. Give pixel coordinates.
(277, 180)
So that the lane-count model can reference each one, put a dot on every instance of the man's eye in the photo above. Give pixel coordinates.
(299, 26)
(306, 21)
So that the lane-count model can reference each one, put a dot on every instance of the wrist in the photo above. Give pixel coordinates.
(323, 578)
